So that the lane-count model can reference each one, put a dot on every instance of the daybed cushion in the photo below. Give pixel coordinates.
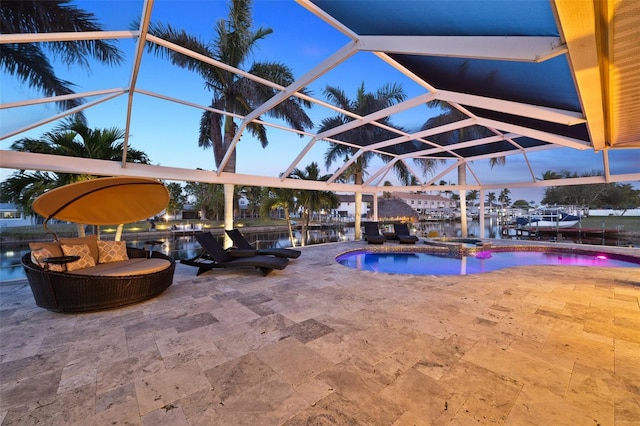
(134, 266)
(90, 240)
(112, 251)
(41, 251)
(82, 250)
(54, 248)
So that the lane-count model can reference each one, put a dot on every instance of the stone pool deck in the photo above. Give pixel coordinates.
(321, 344)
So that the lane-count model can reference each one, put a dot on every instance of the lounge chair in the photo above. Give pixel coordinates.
(403, 235)
(241, 243)
(372, 233)
(215, 256)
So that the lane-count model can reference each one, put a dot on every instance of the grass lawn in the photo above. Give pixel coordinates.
(628, 224)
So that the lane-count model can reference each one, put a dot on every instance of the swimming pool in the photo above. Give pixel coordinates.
(475, 262)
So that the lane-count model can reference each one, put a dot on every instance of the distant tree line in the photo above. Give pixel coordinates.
(600, 195)
(208, 199)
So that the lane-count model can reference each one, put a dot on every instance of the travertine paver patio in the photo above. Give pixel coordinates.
(321, 344)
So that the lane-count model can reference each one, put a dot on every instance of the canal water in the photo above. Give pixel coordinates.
(181, 246)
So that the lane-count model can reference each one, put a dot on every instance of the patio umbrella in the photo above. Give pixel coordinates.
(104, 201)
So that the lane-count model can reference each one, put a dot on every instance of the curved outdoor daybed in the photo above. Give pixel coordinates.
(103, 286)
(86, 274)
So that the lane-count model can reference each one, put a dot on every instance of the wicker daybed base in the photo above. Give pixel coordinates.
(67, 292)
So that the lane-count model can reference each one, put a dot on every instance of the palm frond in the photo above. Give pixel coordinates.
(31, 66)
(22, 188)
(206, 126)
(497, 161)
(183, 39)
(73, 139)
(337, 97)
(336, 152)
(259, 132)
(59, 16)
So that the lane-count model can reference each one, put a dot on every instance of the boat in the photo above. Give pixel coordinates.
(457, 214)
(548, 218)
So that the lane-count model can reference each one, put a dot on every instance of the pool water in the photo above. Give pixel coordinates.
(444, 264)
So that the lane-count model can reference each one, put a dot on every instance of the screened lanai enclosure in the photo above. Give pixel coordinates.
(503, 90)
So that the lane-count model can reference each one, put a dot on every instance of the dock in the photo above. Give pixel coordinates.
(513, 230)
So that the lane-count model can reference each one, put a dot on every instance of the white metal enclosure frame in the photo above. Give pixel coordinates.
(593, 38)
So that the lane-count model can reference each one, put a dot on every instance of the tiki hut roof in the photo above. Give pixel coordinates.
(395, 209)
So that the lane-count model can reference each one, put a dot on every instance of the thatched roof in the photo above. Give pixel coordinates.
(395, 209)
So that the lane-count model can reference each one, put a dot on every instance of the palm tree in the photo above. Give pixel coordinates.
(72, 138)
(31, 62)
(452, 115)
(491, 198)
(387, 194)
(473, 196)
(233, 44)
(447, 193)
(550, 174)
(280, 198)
(364, 104)
(22, 188)
(504, 197)
(311, 200)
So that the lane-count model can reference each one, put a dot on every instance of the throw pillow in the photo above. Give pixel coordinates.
(54, 248)
(90, 240)
(38, 256)
(82, 250)
(111, 251)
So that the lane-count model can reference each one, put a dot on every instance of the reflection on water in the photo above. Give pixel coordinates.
(185, 246)
(451, 264)
(181, 246)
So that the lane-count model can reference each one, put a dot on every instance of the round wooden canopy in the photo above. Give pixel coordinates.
(104, 201)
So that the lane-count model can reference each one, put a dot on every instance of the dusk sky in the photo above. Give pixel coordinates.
(168, 132)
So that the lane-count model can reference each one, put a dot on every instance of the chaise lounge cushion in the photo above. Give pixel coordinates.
(403, 235)
(215, 256)
(134, 266)
(372, 233)
(241, 244)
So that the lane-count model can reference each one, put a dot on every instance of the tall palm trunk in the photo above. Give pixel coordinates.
(305, 226)
(462, 180)
(356, 224)
(230, 167)
(288, 217)
(358, 200)
(119, 230)
(228, 212)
